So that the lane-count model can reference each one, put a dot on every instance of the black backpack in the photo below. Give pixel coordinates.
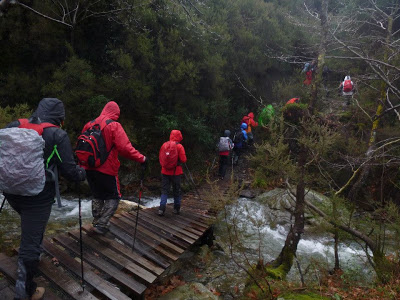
(238, 137)
(91, 148)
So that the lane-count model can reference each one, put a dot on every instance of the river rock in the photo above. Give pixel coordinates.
(247, 194)
(190, 291)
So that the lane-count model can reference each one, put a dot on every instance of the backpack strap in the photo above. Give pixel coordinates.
(25, 123)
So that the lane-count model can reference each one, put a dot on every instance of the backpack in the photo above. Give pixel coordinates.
(224, 144)
(347, 86)
(91, 149)
(169, 155)
(22, 167)
(306, 67)
(238, 137)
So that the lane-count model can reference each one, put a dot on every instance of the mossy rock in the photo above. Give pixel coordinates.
(302, 296)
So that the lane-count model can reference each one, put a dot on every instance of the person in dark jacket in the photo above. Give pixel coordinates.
(35, 210)
(224, 154)
(239, 141)
(103, 180)
(173, 176)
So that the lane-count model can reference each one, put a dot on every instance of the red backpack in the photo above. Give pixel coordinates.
(91, 148)
(347, 86)
(169, 155)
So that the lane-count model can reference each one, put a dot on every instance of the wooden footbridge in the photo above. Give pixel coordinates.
(112, 269)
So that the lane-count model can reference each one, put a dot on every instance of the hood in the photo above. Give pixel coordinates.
(244, 126)
(227, 133)
(347, 78)
(251, 115)
(111, 111)
(176, 136)
(50, 110)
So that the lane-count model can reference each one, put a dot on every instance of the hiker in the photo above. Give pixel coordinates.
(225, 145)
(346, 88)
(172, 155)
(103, 180)
(293, 100)
(238, 141)
(249, 120)
(309, 69)
(266, 115)
(35, 210)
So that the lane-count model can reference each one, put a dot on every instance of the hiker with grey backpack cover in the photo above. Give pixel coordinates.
(34, 202)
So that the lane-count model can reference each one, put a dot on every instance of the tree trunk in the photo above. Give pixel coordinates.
(372, 140)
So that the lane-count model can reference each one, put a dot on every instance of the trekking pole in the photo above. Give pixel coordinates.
(191, 178)
(2, 204)
(80, 235)
(138, 208)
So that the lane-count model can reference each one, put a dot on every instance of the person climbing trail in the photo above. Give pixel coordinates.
(103, 177)
(249, 120)
(225, 146)
(239, 139)
(346, 89)
(171, 155)
(34, 210)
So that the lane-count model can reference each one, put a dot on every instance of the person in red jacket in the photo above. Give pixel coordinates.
(249, 120)
(172, 176)
(293, 100)
(103, 180)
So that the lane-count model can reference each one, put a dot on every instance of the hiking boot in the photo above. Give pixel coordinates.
(38, 294)
(100, 229)
(160, 212)
(176, 211)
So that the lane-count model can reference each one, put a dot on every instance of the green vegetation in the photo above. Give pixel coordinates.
(199, 66)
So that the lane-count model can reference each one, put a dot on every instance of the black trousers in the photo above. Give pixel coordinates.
(34, 212)
(223, 165)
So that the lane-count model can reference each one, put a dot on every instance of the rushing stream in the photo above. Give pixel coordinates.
(315, 250)
(263, 231)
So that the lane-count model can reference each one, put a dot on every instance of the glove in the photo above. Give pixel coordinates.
(81, 174)
(144, 164)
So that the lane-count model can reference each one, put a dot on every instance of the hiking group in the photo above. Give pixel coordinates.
(346, 87)
(243, 138)
(34, 150)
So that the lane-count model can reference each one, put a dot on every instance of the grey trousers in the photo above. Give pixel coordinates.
(103, 210)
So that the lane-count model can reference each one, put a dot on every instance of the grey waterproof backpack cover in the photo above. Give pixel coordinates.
(22, 169)
(224, 144)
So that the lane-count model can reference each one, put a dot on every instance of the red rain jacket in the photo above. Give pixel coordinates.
(249, 120)
(116, 140)
(293, 100)
(176, 136)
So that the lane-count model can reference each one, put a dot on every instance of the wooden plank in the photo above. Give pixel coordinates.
(188, 219)
(63, 281)
(171, 220)
(150, 234)
(124, 250)
(142, 248)
(102, 265)
(163, 232)
(155, 219)
(8, 266)
(155, 225)
(193, 219)
(183, 223)
(153, 244)
(118, 259)
(101, 285)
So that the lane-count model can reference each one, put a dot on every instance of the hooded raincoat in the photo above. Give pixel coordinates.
(117, 142)
(176, 136)
(249, 120)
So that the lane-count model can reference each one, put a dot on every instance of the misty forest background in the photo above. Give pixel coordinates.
(201, 65)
